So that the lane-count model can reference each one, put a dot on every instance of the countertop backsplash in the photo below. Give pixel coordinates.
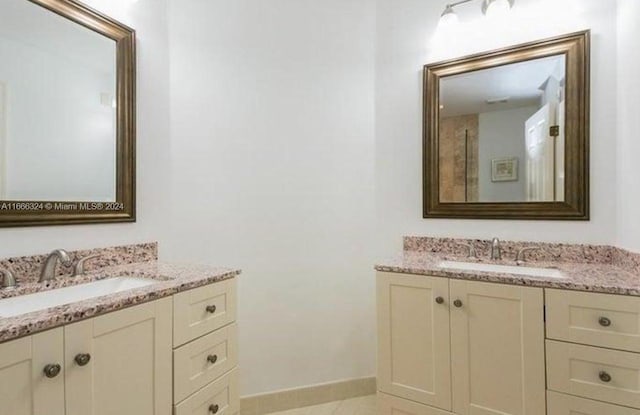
(27, 268)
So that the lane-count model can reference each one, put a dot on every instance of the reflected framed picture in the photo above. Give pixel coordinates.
(504, 169)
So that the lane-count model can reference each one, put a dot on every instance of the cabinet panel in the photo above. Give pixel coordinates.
(560, 404)
(203, 310)
(413, 338)
(497, 347)
(130, 367)
(220, 398)
(203, 360)
(577, 370)
(391, 405)
(604, 320)
(24, 389)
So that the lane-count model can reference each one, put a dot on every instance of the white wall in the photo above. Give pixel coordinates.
(500, 135)
(628, 142)
(149, 18)
(273, 158)
(407, 39)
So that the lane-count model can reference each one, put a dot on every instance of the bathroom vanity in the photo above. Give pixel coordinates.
(166, 346)
(467, 342)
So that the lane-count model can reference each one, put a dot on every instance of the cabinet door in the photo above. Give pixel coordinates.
(129, 371)
(413, 338)
(24, 388)
(390, 405)
(497, 349)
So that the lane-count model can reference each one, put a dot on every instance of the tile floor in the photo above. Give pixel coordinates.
(364, 405)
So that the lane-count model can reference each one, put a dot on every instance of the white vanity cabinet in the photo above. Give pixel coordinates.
(593, 359)
(205, 357)
(129, 369)
(126, 362)
(413, 338)
(463, 347)
(497, 349)
(24, 388)
(116, 363)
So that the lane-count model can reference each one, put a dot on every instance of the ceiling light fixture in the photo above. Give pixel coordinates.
(496, 8)
(449, 17)
(490, 8)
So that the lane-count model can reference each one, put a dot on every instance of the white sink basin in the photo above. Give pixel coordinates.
(23, 304)
(505, 269)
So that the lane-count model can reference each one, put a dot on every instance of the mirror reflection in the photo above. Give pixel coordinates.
(501, 133)
(57, 108)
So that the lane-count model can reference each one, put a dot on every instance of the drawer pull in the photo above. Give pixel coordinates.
(214, 409)
(439, 300)
(82, 359)
(211, 309)
(212, 358)
(457, 303)
(604, 376)
(604, 322)
(51, 371)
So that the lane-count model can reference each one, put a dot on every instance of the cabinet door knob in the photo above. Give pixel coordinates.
(604, 322)
(82, 359)
(214, 409)
(604, 376)
(212, 358)
(53, 370)
(211, 309)
(439, 300)
(458, 303)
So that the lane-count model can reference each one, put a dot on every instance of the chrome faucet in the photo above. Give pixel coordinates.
(79, 269)
(496, 250)
(49, 269)
(8, 278)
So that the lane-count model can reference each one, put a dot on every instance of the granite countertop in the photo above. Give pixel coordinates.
(171, 279)
(592, 276)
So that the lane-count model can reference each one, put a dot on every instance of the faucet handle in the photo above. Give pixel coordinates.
(472, 249)
(521, 255)
(9, 278)
(80, 265)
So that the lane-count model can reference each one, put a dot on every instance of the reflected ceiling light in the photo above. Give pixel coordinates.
(490, 8)
(501, 100)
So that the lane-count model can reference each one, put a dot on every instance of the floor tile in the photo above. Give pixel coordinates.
(364, 405)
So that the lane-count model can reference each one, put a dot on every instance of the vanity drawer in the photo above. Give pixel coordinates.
(220, 397)
(560, 404)
(602, 374)
(603, 320)
(202, 310)
(203, 360)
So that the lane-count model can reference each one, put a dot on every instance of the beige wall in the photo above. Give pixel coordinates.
(459, 162)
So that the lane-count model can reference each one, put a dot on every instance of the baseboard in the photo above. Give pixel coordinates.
(310, 395)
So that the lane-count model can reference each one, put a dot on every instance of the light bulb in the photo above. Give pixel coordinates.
(496, 8)
(449, 18)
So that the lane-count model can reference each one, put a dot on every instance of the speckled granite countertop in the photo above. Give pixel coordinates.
(601, 269)
(171, 279)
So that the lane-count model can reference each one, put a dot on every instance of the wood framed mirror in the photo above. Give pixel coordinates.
(67, 115)
(506, 133)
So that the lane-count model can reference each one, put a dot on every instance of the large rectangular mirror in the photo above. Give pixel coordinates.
(506, 133)
(67, 115)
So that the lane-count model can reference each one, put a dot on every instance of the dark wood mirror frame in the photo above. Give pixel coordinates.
(35, 213)
(576, 48)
